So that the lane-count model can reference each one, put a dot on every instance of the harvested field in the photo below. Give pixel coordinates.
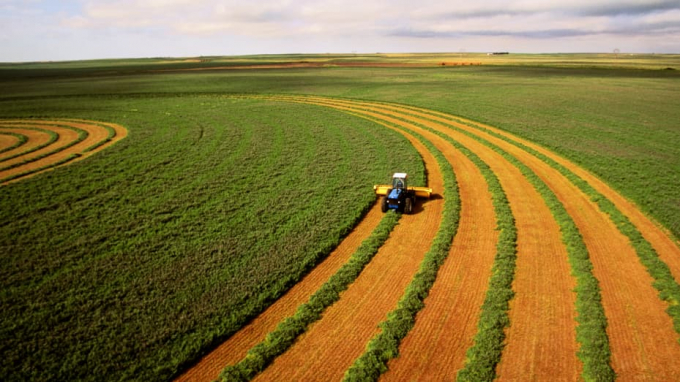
(541, 340)
(542, 336)
(53, 143)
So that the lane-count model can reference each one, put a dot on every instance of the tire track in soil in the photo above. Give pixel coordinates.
(542, 333)
(235, 348)
(643, 341)
(331, 344)
(95, 134)
(35, 139)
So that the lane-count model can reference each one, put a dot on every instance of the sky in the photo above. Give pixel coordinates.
(50, 30)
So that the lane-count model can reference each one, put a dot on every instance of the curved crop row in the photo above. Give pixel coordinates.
(665, 283)
(591, 331)
(82, 134)
(62, 147)
(21, 139)
(279, 340)
(53, 136)
(385, 345)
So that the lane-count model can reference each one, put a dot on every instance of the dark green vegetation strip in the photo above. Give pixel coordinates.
(285, 334)
(53, 138)
(21, 140)
(664, 282)
(135, 263)
(43, 168)
(385, 345)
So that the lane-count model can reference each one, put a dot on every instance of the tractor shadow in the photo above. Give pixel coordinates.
(420, 203)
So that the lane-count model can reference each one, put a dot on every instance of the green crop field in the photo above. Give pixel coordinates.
(133, 263)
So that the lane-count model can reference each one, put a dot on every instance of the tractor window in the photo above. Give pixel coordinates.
(398, 183)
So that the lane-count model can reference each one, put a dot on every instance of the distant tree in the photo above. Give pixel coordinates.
(616, 52)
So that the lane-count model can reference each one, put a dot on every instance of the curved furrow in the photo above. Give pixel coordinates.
(667, 247)
(446, 326)
(11, 140)
(545, 337)
(75, 140)
(541, 339)
(27, 161)
(642, 339)
(36, 139)
(331, 344)
(641, 334)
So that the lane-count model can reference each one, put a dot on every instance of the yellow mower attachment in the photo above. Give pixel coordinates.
(421, 192)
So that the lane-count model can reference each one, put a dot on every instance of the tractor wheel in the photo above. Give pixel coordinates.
(383, 206)
(408, 206)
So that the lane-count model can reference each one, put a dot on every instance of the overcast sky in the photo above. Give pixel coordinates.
(37, 30)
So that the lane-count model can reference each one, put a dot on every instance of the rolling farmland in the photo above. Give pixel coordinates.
(234, 235)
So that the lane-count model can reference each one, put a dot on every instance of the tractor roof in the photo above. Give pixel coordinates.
(399, 175)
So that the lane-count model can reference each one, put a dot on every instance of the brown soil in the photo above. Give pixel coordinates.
(642, 339)
(664, 244)
(95, 135)
(541, 343)
(235, 348)
(331, 344)
(446, 326)
(7, 141)
(35, 139)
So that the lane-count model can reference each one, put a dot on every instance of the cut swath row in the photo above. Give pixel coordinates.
(670, 347)
(642, 339)
(51, 143)
(638, 359)
(596, 223)
(11, 140)
(528, 209)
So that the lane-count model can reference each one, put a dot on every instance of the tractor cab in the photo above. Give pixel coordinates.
(398, 196)
(399, 181)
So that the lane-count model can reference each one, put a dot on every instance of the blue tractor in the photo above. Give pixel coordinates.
(398, 196)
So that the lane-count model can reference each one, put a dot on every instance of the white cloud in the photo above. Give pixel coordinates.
(270, 26)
